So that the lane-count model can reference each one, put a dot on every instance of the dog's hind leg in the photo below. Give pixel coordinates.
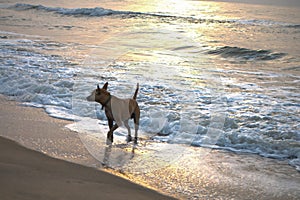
(129, 138)
(136, 125)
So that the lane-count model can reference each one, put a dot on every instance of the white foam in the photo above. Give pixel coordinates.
(97, 11)
(170, 112)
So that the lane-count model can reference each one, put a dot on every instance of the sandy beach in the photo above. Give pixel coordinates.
(28, 174)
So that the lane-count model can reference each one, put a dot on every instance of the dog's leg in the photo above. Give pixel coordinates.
(136, 125)
(129, 138)
(110, 135)
(110, 125)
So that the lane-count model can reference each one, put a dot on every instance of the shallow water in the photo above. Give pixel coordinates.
(212, 74)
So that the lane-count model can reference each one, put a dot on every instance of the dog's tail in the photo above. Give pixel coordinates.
(136, 91)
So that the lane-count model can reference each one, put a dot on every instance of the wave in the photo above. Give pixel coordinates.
(262, 22)
(101, 12)
(245, 54)
(97, 11)
(295, 26)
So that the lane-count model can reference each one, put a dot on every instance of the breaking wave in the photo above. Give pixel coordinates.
(96, 12)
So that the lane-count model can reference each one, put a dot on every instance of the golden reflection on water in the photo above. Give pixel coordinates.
(178, 7)
(197, 172)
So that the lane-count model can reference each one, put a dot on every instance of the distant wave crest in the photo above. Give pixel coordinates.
(101, 12)
(96, 12)
(246, 54)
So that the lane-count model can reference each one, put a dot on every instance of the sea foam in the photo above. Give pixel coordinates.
(175, 113)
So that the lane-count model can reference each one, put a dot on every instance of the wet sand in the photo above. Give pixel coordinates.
(172, 169)
(28, 174)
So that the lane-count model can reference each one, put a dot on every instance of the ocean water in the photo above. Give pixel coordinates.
(212, 74)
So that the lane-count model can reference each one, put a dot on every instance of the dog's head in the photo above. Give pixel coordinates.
(99, 94)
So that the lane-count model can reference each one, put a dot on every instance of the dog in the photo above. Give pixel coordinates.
(117, 110)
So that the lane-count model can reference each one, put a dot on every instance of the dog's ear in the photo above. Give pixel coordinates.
(105, 86)
(98, 88)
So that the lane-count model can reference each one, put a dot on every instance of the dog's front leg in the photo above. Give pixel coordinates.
(110, 135)
(110, 123)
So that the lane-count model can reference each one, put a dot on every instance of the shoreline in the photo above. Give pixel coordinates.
(29, 173)
(195, 173)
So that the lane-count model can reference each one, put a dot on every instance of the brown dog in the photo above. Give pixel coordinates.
(118, 110)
